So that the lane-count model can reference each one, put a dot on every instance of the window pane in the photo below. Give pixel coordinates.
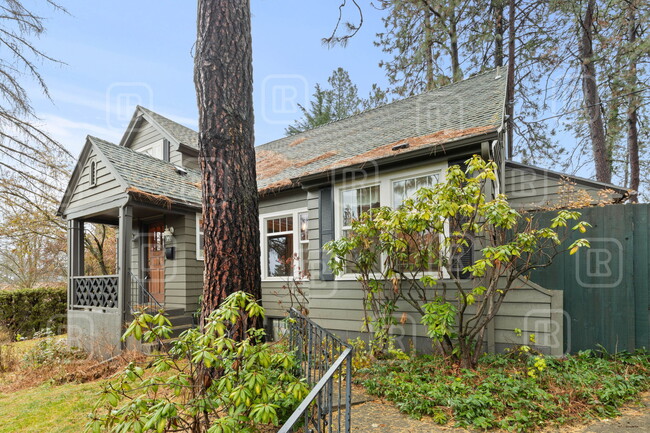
(304, 233)
(304, 260)
(280, 255)
(357, 201)
(403, 189)
(279, 225)
(349, 206)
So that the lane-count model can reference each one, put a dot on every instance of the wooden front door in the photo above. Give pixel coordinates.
(156, 262)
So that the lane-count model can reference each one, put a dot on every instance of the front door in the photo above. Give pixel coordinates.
(156, 262)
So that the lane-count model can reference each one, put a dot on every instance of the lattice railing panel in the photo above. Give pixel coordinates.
(99, 292)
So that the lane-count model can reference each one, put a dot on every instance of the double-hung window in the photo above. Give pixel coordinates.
(285, 245)
(388, 190)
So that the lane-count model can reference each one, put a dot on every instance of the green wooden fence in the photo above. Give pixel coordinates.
(606, 286)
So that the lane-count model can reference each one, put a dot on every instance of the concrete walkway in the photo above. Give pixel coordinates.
(377, 416)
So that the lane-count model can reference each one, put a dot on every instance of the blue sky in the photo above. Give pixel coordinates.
(122, 53)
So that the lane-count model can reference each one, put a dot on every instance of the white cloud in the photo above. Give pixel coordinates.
(72, 134)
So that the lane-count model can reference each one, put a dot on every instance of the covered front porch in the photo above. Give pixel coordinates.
(149, 274)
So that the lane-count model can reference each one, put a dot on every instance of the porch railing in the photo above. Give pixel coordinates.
(324, 360)
(141, 298)
(99, 292)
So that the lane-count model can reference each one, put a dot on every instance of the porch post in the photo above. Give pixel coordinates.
(75, 255)
(124, 262)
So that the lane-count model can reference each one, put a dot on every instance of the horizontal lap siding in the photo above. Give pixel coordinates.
(107, 187)
(275, 294)
(183, 274)
(145, 135)
(148, 134)
(529, 188)
(338, 306)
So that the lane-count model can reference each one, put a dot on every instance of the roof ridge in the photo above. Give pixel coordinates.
(399, 101)
(150, 111)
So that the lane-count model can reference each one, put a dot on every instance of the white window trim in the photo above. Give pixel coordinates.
(199, 256)
(385, 182)
(296, 241)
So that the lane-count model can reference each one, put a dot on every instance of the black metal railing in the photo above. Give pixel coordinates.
(141, 299)
(326, 364)
(100, 292)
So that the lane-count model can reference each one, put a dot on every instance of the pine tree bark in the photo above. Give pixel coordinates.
(499, 30)
(632, 107)
(223, 76)
(428, 41)
(510, 90)
(591, 97)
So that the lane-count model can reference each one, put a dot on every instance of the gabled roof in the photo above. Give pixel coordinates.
(181, 134)
(469, 108)
(473, 108)
(145, 174)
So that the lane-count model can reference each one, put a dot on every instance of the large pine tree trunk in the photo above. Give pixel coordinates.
(632, 108)
(591, 97)
(223, 78)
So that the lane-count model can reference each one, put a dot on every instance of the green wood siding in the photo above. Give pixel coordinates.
(606, 286)
(106, 187)
(531, 189)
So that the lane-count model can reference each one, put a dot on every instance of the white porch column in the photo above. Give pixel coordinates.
(124, 262)
(75, 255)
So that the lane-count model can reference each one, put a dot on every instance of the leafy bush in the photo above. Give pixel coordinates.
(397, 256)
(207, 382)
(502, 392)
(51, 349)
(26, 311)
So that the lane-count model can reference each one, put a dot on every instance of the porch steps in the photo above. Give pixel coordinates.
(181, 321)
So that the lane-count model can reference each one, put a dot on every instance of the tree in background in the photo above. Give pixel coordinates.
(337, 102)
(574, 67)
(34, 168)
(425, 40)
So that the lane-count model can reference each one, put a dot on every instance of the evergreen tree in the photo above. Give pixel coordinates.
(337, 102)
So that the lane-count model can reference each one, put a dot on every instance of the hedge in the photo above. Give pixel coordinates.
(27, 311)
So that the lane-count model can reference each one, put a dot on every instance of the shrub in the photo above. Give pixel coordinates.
(26, 311)
(207, 382)
(516, 392)
(51, 349)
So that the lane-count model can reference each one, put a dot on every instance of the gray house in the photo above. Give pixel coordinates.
(310, 186)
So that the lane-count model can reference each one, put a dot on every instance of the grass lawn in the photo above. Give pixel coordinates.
(48, 408)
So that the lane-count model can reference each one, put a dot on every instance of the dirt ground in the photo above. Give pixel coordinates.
(376, 416)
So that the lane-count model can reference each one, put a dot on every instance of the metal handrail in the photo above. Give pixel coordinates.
(321, 356)
(151, 301)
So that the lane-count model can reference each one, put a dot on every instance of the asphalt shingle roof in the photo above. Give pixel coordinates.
(182, 134)
(151, 175)
(468, 108)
